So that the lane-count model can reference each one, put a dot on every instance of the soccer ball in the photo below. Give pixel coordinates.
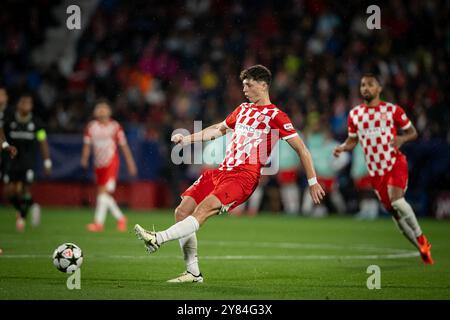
(68, 257)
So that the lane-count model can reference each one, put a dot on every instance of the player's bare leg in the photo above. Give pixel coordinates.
(406, 221)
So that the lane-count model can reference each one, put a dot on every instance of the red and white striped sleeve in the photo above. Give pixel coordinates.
(87, 136)
(352, 128)
(120, 137)
(401, 120)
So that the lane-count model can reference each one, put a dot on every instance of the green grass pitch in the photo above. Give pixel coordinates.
(265, 257)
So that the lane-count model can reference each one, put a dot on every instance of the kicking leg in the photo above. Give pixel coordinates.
(208, 207)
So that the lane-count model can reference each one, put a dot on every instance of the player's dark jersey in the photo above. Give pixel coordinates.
(2, 117)
(22, 133)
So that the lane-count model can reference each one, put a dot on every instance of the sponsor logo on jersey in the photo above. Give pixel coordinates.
(261, 118)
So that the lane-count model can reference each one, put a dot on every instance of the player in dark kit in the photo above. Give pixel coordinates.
(24, 130)
(5, 147)
(7, 151)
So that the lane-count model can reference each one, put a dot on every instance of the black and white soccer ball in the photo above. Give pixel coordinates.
(68, 257)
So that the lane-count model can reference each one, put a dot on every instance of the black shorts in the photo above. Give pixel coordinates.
(15, 171)
(3, 163)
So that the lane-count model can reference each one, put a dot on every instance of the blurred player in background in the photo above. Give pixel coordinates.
(321, 145)
(7, 151)
(218, 191)
(375, 124)
(287, 178)
(368, 203)
(5, 147)
(24, 130)
(103, 135)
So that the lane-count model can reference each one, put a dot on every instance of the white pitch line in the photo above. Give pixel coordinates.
(237, 257)
(392, 252)
(294, 245)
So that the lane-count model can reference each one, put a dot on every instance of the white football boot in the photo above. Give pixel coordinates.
(149, 238)
(187, 277)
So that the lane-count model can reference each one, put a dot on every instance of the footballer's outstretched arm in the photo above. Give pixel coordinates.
(5, 145)
(209, 133)
(132, 169)
(348, 145)
(317, 193)
(85, 154)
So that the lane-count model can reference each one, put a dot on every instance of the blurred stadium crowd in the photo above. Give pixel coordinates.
(164, 66)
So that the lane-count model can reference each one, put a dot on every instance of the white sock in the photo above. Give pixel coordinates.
(189, 247)
(290, 198)
(179, 230)
(115, 210)
(100, 209)
(406, 231)
(406, 212)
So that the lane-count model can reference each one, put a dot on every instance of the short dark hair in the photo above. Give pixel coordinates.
(26, 94)
(372, 75)
(257, 73)
(102, 101)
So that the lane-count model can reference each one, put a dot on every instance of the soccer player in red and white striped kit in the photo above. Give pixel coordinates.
(374, 124)
(104, 135)
(256, 127)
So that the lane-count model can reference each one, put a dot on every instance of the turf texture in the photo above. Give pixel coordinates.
(271, 256)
